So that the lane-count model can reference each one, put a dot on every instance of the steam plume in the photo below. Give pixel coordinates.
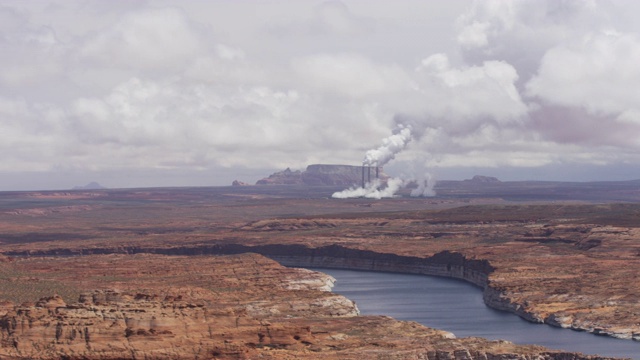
(425, 186)
(389, 148)
(380, 156)
(373, 190)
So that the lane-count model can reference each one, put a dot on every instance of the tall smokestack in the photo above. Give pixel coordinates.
(363, 176)
(369, 176)
(377, 172)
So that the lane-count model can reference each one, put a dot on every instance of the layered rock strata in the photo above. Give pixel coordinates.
(571, 264)
(446, 264)
(216, 307)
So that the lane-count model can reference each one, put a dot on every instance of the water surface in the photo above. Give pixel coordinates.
(456, 306)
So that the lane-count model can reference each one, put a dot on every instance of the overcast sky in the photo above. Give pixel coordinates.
(186, 92)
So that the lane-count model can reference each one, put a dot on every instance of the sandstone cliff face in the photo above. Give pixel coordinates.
(114, 325)
(565, 264)
(244, 303)
(217, 307)
(512, 286)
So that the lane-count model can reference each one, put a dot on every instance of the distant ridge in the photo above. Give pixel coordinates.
(324, 175)
(483, 179)
(90, 186)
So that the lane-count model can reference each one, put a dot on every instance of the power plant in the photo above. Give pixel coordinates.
(366, 169)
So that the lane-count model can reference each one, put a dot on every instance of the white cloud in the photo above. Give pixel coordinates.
(195, 86)
(31, 134)
(474, 34)
(155, 39)
(465, 97)
(598, 73)
(486, 19)
(229, 53)
(335, 17)
(519, 32)
(30, 54)
(350, 75)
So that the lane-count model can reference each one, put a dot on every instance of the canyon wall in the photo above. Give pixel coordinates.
(445, 264)
(220, 307)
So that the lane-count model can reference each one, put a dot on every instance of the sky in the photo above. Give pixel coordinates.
(199, 93)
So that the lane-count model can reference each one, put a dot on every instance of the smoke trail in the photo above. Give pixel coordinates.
(389, 148)
(380, 156)
(373, 190)
(425, 186)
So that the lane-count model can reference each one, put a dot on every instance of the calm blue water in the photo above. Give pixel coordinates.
(457, 306)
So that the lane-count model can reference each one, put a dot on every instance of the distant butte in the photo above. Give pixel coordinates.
(90, 186)
(239, 183)
(483, 179)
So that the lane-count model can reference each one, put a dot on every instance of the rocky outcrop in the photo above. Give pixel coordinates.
(325, 175)
(445, 263)
(239, 183)
(248, 303)
(90, 186)
(285, 177)
(113, 325)
(568, 264)
(219, 307)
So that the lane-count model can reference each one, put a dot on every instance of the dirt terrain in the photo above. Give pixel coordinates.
(564, 254)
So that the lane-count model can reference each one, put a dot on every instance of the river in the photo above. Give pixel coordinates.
(456, 306)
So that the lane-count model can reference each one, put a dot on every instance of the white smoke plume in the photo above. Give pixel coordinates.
(375, 189)
(425, 186)
(372, 190)
(380, 156)
(391, 146)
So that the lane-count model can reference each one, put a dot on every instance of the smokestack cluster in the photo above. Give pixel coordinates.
(379, 157)
(367, 169)
(386, 152)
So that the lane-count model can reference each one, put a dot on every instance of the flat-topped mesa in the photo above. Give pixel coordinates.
(480, 179)
(342, 175)
(325, 175)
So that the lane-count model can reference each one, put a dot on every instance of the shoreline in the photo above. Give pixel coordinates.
(443, 264)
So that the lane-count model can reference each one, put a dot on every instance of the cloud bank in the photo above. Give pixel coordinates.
(199, 93)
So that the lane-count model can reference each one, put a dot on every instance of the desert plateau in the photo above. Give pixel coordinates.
(204, 273)
(319, 179)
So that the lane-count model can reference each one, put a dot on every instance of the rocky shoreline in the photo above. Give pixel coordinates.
(444, 264)
(242, 306)
(459, 268)
(568, 264)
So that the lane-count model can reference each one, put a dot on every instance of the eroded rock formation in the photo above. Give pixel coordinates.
(221, 307)
(567, 264)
